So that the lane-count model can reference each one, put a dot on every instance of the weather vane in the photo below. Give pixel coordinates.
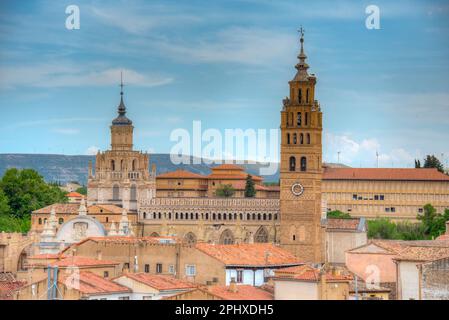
(301, 31)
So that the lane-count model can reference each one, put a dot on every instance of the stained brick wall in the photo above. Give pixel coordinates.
(435, 280)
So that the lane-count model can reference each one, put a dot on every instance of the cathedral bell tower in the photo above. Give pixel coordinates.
(301, 167)
(122, 128)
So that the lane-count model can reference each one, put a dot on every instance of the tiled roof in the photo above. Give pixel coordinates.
(184, 174)
(7, 288)
(160, 282)
(74, 195)
(233, 176)
(413, 253)
(46, 256)
(395, 174)
(90, 283)
(228, 166)
(443, 237)
(72, 208)
(353, 224)
(257, 254)
(243, 292)
(80, 261)
(308, 273)
(240, 185)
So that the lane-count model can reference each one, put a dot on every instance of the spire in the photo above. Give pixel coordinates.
(121, 119)
(301, 66)
(82, 211)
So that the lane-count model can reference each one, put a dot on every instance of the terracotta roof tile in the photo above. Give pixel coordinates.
(243, 292)
(72, 208)
(233, 176)
(90, 283)
(80, 261)
(257, 254)
(184, 174)
(396, 174)
(309, 273)
(413, 253)
(343, 224)
(7, 288)
(228, 166)
(159, 282)
(45, 256)
(443, 237)
(74, 195)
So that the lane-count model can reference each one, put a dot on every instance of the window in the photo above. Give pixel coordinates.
(126, 266)
(158, 267)
(40, 220)
(387, 209)
(115, 192)
(61, 220)
(112, 165)
(147, 268)
(306, 119)
(288, 138)
(301, 138)
(239, 276)
(295, 139)
(292, 163)
(376, 197)
(298, 119)
(393, 209)
(190, 270)
(133, 195)
(106, 274)
(308, 138)
(382, 197)
(171, 269)
(420, 210)
(107, 218)
(354, 197)
(294, 237)
(303, 164)
(307, 98)
(299, 95)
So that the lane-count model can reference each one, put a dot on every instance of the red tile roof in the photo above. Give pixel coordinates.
(72, 208)
(184, 174)
(92, 284)
(395, 174)
(243, 292)
(233, 176)
(343, 224)
(443, 237)
(46, 256)
(257, 254)
(159, 282)
(79, 261)
(7, 288)
(308, 273)
(228, 166)
(423, 254)
(74, 195)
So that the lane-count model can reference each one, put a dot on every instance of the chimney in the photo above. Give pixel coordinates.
(233, 286)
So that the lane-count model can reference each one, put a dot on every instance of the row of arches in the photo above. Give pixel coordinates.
(293, 139)
(292, 164)
(121, 167)
(212, 216)
(227, 237)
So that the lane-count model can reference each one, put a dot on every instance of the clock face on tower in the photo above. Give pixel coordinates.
(297, 189)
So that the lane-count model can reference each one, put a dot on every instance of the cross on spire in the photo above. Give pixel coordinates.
(121, 83)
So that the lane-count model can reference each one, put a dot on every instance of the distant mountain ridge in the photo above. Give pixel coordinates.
(65, 168)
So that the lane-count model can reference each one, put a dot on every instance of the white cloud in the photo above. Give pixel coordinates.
(65, 74)
(92, 150)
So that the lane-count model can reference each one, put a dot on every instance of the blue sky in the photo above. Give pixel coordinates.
(227, 64)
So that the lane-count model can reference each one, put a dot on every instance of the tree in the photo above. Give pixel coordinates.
(27, 191)
(382, 228)
(4, 205)
(338, 214)
(82, 190)
(225, 190)
(433, 222)
(433, 162)
(250, 189)
(417, 164)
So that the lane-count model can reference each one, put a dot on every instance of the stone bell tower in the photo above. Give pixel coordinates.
(301, 167)
(121, 176)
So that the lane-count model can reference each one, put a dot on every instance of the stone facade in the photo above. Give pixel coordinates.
(435, 280)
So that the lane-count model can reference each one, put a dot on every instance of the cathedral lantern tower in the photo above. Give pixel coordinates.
(121, 175)
(301, 167)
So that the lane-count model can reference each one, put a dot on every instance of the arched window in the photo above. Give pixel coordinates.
(40, 220)
(265, 216)
(134, 167)
(308, 138)
(254, 216)
(159, 215)
(181, 216)
(191, 216)
(306, 119)
(169, 215)
(303, 164)
(299, 95)
(307, 95)
(207, 216)
(292, 163)
(298, 119)
(301, 138)
(154, 234)
(133, 195)
(261, 235)
(259, 217)
(122, 166)
(270, 216)
(248, 217)
(227, 237)
(116, 192)
(144, 215)
(214, 216)
(295, 139)
(61, 220)
(176, 216)
(288, 138)
(112, 165)
(154, 215)
(219, 216)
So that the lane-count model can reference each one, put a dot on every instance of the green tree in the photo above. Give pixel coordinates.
(250, 188)
(225, 190)
(382, 228)
(338, 214)
(27, 191)
(82, 190)
(417, 164)
(407, 230)
(433, 162)
(433, 222)
(4, 205)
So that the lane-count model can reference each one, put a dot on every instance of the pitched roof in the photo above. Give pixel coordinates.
(395, 174)
(7, 288)
(352, 224)
(228, 166)
(90, 283)
(80, 261)
(240, 185)
(74, 194)
(184, 174)
(422, 254)
(395, 247)
(159, 282)
(245, 254)
(45, 256)
(242, 292)
(309, 273)
(72, 208)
